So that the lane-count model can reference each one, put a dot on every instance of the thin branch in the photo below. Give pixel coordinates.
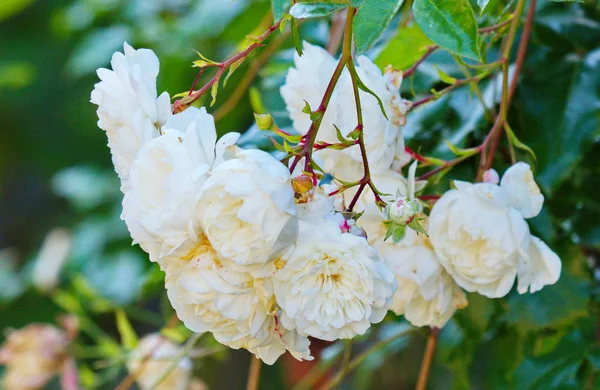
(250, 75)
(254, 373)
(412, 69)
(222, 67)
(427, 359)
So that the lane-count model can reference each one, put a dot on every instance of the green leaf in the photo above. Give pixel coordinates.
(129, 338)
(232, 69)
(213, 92)
(516, 142)
(450, 24)
(371, 21)
(560, 127)
(554, 370)
(366, 89)
(417, 227)
(9, 8)
(296, 36)
(445, 77)
(406, 48)
(557, 305)
(279, 7)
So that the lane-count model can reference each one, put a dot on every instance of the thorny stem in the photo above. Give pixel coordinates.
(252, 72)
(311, 134)
(357, 361)
(446, 90)
(254, 373)
(490, 144)
(222, 67)
(427, 359)
(412, 69)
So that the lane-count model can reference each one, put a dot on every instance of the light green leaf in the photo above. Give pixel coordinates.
(406, 48)
(129, 338)
(296, 36)
(450, 24)
(371, 21)
(279, 7)
(445, 77)
(516, 142)
(9, 8)
(232, 69)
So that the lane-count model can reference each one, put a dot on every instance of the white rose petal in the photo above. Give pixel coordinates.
(166, 181)
(541, 268)
(246, 204)
(332, 285)
(480, 239)
(213, 294)
(128, 107)
(521, 190)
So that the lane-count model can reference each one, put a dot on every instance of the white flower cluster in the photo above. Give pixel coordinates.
(245, 257)
(478, 238)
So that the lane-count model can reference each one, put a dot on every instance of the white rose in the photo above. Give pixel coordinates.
(152, 357)
(332, 285)
(128, 108)
(384, 141)
(308, 81)
(426, 295)
(483, 241)
(213, 294)
(166, 180)
(247, 202)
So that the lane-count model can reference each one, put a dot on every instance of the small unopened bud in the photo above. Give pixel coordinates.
(264, 121)
(302, 184)
(491, 176)
(402, 211)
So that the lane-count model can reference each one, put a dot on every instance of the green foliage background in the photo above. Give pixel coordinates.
(55, 170)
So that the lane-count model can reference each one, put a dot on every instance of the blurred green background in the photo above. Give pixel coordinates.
(55, 172)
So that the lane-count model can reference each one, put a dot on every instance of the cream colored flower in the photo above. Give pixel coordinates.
(128, 107)
(33, 356)
(210, 293)
(152, 358)
(426, 294)
(166, 181)
(246, 204)
(482, 240)
(332, 285)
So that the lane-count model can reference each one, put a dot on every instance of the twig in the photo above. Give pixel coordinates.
(224, 66)
(427, 359)
(254, 373)
(250, 75)
(412, 69)
(311, 134)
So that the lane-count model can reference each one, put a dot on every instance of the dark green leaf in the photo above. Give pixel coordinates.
(406, 48)
(555, 305)
(450, 24)
(560, 126)
(371, 20)
(482, 4)
(554, 370)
